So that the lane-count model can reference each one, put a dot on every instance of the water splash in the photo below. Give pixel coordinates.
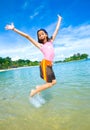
(37, 100)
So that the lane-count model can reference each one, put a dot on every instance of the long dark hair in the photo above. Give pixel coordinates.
(48, 39)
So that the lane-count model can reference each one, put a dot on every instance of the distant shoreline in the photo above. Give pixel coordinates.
(3, 70)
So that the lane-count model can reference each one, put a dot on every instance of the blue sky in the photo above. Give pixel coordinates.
(31, 15)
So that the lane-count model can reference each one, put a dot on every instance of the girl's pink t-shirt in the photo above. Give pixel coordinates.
(48, 51)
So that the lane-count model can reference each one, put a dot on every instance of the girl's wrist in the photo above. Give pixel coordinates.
(13, 28)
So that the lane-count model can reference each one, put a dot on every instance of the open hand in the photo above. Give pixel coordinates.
(59, 16)
(9, 27)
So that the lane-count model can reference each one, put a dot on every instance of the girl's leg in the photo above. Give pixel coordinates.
(42, 87)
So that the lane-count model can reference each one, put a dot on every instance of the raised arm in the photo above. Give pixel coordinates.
(57, 28)
(11, 27)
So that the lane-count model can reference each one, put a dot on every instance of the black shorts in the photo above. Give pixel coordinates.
(46, 71)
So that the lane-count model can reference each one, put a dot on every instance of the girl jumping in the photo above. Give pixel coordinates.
(45, 45)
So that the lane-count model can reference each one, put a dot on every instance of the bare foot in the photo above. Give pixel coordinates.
(32, 93)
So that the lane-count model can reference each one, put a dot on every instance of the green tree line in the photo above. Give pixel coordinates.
(75, 57)
(6, 63)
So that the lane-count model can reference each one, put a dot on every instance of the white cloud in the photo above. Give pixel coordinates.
(35, 14)
(15, 58)
(74, 40)
(70, 40)
(25, 5)
(36, 11)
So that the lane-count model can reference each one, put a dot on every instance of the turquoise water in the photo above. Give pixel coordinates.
(67, 104)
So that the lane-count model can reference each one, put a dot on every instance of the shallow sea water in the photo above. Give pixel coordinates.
(67, 104)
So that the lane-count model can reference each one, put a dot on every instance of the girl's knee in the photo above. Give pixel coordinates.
(50, 85)
(54, 82)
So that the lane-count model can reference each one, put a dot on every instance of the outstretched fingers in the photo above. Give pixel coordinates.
(9, 26)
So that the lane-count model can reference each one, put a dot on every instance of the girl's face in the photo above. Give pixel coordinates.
(42, 36)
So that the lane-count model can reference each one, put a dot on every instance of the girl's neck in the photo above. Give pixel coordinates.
(44, 41)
